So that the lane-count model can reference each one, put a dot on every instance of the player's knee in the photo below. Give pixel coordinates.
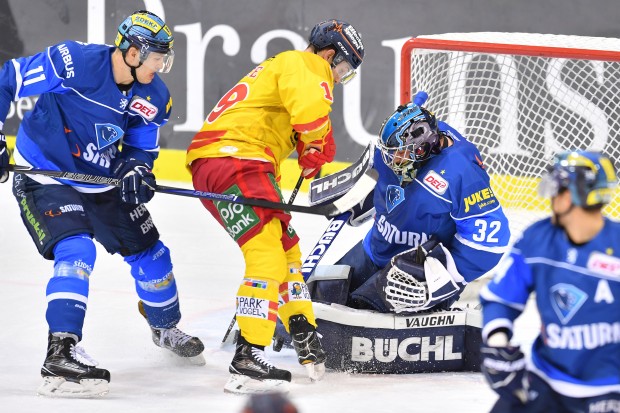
(264, 256)
(75, 257)
(152, 268)
(293, 257)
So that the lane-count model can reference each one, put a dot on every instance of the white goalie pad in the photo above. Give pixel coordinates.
(407, 293)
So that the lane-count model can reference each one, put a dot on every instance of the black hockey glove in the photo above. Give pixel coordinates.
(137, 181)
(504, 369)
(4, 159)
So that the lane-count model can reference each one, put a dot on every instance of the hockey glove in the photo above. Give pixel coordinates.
(4, 159)
(504, 369)
(137, 181)
(315, 154)
(422, 278)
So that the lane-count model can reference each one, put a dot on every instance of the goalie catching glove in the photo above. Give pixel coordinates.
(315, 154)
(421, 278)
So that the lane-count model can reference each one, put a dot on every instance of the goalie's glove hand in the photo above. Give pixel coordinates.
(4, 159)
(137, 181)
(504, 369)
(315, 154)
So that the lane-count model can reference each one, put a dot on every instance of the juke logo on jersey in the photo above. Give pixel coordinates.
(482, 198)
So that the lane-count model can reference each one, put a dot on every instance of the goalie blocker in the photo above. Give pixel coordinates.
(365, 341)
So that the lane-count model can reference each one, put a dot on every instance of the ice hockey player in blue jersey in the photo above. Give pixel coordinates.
(571, 262)
(99, 112)
(437, 223)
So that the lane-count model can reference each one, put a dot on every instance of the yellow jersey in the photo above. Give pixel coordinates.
(285, 98)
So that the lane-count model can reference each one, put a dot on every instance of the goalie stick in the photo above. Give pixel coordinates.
(364, 185)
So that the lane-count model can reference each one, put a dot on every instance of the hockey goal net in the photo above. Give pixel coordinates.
(520, 97)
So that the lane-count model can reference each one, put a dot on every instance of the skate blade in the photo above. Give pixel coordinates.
(198, 360)
(315, 371)
(240, 384)
(86, 388)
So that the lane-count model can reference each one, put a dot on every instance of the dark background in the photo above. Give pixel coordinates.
(29, 26)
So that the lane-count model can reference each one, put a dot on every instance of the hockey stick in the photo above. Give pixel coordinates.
(290, 201)
(347, 201)
(318, 252)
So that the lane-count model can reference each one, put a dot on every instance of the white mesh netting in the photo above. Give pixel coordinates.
(521, 106)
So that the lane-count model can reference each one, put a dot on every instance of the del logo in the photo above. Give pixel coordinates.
(143, 107)
(107, 134)
(604, 264)
(436, 182)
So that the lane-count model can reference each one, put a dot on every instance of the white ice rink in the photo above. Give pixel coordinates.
(208, 268)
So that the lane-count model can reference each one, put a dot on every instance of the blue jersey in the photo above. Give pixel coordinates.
(576, 287)
(450, 198)
(81, 116)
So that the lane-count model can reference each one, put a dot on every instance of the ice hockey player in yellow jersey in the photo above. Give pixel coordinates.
(282, 105)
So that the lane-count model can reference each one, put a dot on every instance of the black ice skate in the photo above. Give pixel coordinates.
(308, 346)
(175, 340)
(69, 372)
(252, 372)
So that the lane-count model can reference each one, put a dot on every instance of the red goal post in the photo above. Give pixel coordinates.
(520, 97)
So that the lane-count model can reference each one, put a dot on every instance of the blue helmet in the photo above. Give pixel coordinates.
(408, 137)
(343, 38)
(589, 176)
(148, 33)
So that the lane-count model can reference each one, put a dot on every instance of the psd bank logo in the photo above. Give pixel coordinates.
(107, 134)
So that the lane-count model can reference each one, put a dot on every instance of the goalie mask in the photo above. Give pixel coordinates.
(151, 36)
(408, 138)
(589, 176)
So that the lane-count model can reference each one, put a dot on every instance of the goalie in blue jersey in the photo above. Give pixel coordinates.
(93, 98)
(571, 261)
(437, 223)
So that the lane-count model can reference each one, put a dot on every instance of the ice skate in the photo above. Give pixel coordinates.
(308, 346)
(252, 372)
(175, 340)
(69, 372)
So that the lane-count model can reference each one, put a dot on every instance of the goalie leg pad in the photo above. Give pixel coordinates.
(330, 284)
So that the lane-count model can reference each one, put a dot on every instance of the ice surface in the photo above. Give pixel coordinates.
(208, 267)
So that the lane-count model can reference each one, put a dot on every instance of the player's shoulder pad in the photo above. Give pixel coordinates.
(68, 59)
(152, 102)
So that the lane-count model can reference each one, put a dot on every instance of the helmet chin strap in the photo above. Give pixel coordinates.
(133, 68)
